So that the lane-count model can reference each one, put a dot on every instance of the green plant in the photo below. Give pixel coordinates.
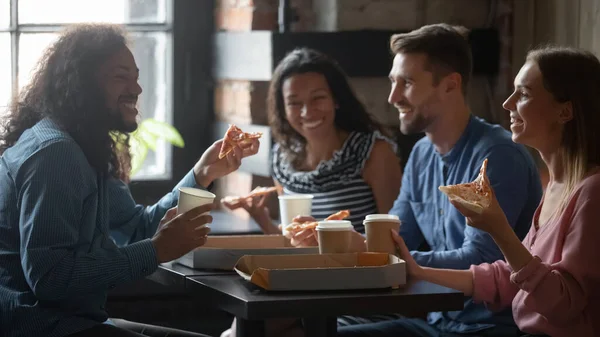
(146, 137)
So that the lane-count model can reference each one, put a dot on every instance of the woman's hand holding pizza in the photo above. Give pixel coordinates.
(477, 202)
(303, 238)
(489, 220)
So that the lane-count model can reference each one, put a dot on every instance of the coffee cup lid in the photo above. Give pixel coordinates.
(334, 225)
(381, 217)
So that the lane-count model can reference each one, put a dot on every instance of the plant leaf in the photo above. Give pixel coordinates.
(139, 150)
(146, 137)
(162, 130)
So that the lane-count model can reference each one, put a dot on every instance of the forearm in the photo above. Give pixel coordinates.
(130, 222)
(515, 253)
(461, 258)
(55, 274)
(267, 225)
(461, 280)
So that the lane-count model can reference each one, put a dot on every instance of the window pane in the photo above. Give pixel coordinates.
(151, 51)
(5, 72)
(112, 11)
(31, 47)
(4, 13)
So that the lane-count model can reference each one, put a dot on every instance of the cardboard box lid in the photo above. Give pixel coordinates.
(323, 271)
(223, 252)
(247, 242)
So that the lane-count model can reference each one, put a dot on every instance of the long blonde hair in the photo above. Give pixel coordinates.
(573, 75)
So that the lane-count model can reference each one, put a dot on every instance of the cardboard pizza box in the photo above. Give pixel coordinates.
(223, 252)
(323, 271)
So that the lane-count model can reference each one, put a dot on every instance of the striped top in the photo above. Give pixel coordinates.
(337, 183)
(67, 235)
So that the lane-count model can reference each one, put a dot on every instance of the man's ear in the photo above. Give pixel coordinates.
(452, 82)
(566, 112)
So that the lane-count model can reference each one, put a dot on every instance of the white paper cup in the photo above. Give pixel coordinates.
(293, 205)
(190, 198)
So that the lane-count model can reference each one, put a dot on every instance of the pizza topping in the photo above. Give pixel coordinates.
(236, 137)
(475, 195)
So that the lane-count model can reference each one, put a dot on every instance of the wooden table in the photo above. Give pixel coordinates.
(252, 305)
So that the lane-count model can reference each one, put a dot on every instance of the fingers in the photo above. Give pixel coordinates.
(309, 241)
(201, 231)
(303, 234)
(200, 221)
(251, 148)
(261, 201)
(462, 209)
(201, 241)
(303, 218)
(402, 249)
(231, 205)
(195, 212)
(218, 143)
(234, 158)
(171, 213)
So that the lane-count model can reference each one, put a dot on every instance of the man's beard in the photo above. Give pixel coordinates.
(116, 122)
(417, 125)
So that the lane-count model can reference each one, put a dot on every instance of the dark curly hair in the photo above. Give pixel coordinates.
(350, 115)
(64, 88)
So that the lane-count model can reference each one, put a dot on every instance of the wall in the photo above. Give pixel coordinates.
(565, 22)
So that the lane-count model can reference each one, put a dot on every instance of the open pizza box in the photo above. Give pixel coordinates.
(323, 271)
(222, 252)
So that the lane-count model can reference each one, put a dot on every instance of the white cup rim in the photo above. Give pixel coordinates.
(334, 225)
(381, 217)
(196, 192)
(295, 196)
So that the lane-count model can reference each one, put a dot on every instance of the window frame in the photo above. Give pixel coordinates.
(191, 25)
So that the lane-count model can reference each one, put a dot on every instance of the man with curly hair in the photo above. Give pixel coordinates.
(69, 227)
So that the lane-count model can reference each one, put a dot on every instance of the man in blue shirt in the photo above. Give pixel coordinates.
(69, 227)
(430, 75)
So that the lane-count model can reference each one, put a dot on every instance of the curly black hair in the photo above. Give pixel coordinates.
(64, 88)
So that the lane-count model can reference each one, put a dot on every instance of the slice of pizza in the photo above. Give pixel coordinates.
(296, 227)
(257, 192)
(476, 195)
(236, 137)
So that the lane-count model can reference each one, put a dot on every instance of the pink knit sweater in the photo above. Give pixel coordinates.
(558, 292)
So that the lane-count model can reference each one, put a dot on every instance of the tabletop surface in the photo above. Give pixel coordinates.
(231, 293)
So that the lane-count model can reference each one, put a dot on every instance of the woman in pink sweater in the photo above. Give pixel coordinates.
(552, 278)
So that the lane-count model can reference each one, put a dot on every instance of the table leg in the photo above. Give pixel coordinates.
(320, 326)
(249, 328)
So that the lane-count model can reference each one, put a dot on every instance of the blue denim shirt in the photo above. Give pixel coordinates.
(428, 217)
(67, 235)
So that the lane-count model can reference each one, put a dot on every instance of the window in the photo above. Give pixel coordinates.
(27, 27)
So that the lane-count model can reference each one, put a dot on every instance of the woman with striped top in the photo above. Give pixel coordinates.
(327, 144)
